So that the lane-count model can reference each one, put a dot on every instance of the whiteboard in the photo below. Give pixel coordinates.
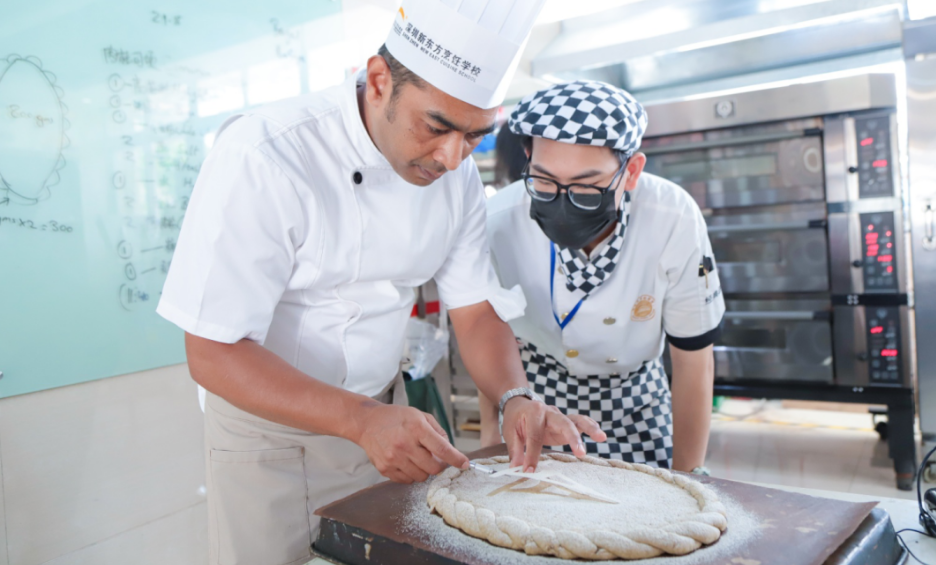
(107, 109)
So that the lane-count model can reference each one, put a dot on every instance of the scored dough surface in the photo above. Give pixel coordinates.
(658, 512)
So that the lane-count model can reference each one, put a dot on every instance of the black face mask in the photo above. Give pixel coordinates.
(568, 225)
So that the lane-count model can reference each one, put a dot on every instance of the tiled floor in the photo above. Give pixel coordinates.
(763, 442)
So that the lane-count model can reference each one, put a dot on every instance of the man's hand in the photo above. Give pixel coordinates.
(585, 425)
(404, 444)
(528, 425)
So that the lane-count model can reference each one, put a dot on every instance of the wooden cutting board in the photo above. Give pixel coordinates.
(372, 527)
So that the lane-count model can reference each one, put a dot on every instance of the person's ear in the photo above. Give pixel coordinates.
(635, 166)
(379, 82)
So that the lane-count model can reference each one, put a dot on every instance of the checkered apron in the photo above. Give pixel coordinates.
(634, 410)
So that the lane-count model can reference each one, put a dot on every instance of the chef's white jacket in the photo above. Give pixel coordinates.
(657, 290)
(300, 236)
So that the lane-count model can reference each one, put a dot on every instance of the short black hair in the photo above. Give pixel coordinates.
(510, 159)
(399, 74)
(622, 156)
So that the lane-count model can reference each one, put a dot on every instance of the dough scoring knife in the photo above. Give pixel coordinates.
(481, 468)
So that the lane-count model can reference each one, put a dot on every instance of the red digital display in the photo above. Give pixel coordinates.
(885, 258)
(873, 250)
(877, 329)
(888, 353)
(871, 237)
(890, 269)
(880, 163)
(867, 141)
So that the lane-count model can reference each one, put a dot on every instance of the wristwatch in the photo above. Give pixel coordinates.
(516, 392)
(701, 471)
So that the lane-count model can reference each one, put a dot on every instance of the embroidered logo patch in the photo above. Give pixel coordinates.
(643, 309)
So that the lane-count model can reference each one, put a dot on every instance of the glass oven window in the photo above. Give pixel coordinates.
(734, 251)
(753, 338)
(738, 167)
(758, 174)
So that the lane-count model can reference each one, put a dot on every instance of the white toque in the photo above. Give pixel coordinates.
(468, 49)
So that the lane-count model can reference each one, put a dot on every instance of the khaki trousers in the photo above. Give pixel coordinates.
(265, 480)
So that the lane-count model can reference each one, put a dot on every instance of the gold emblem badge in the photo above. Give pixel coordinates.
(643, 309)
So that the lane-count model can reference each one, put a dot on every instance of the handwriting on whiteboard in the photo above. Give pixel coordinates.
(116, 56)
(165, 19)
(49, 226)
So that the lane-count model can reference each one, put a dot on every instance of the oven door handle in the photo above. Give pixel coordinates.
(929, 227)
(802, 225)
(730, 142)
(795, 315)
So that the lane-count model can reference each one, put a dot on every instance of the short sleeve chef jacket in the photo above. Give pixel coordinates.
(300, 236)
(656, 291)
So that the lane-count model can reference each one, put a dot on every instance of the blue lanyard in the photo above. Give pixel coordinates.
(552, 282)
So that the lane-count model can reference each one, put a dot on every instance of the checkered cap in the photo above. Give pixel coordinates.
(584, 112)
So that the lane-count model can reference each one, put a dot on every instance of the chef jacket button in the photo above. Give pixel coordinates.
(611, 360)
(358, 178)
(572, 353)
(564, 316)
(609, 321)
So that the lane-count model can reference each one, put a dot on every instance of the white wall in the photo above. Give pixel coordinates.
(105, 472)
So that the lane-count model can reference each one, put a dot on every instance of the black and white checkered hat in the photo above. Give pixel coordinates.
(584, 112)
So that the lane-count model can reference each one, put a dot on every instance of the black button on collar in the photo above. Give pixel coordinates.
(357, 177)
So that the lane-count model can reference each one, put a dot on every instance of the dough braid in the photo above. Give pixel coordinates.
(505, 531)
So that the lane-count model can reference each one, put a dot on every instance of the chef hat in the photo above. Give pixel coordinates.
(584, 112)
(469, 49)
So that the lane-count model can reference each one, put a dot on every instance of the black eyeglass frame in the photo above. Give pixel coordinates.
(602, 190)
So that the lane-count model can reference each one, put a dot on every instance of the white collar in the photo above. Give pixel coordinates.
(370, 156)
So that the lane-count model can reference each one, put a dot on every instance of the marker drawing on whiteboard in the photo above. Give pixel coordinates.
(32, 115)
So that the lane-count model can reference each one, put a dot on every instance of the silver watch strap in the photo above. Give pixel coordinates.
(522, 391)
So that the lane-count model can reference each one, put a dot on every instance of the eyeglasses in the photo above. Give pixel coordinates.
(584, 196)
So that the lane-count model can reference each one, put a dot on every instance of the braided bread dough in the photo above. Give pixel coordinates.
(598, 531)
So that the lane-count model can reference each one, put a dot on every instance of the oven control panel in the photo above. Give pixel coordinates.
(884, 354)
(875, 178)
(879, 252)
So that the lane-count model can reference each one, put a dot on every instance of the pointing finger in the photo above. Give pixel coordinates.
(441, 448)
(588, 426)
(435, 425)
(566, 429)
(514, 441)
(535, 431)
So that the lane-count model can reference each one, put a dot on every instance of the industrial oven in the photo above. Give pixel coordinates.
(805, 203)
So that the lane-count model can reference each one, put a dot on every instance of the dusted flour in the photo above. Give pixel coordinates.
(431, 530)
(643, 500)
(646, 503)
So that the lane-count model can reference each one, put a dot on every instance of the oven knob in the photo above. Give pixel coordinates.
(852, 170)
(857, 263)
(862, 356)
